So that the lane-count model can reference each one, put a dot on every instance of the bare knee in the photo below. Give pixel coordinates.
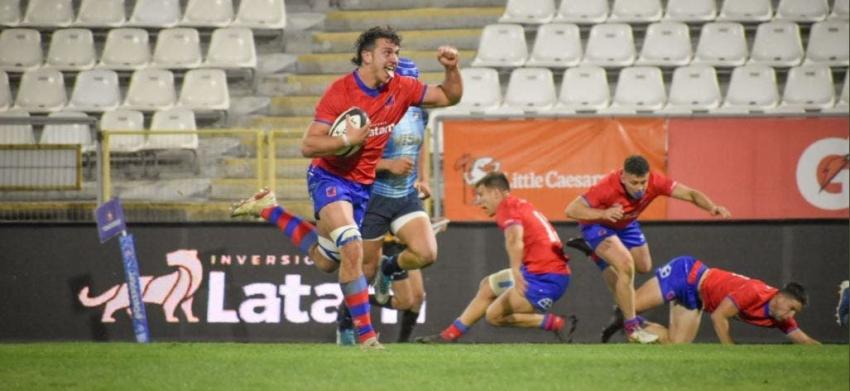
(495, 318)
(402, 303)
(643, 268)
(427, 256)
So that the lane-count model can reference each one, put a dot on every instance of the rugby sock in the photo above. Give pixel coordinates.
(344, 318)
(632, 324)
(455, 331)
(552, 322)
(301, 232)
(408, 321)
(357, 300)
(389, 266)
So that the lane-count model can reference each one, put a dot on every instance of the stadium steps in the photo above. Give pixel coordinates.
(238, 188)
(135, 212)
(342, 42)
(291, 84)
(296, 106)
(407, 4)
(413, 19)
(285, 168)
(340, 63)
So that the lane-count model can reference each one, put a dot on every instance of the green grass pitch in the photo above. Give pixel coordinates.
(256, 366)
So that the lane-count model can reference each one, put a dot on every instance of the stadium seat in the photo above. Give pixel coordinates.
(530, 90)
(155, 13)
(752, 88)
(638, 89)
(71, 50)
(68, 133)
(558, 45)
(528, 11)
(501, 45)
(828, 43)
(41, 90)
(841, 106)
(101, 13)
(666, 44)
(232, 47)
(694, 88)
(840, 10)
(5, 92)
(722, 45)
(126, 49)
(20, 49)
(173, 119)
(177, 48)
(16, 134)
(802, 10)
(261, 14)
(585, 88)
(10, 13)
(205, 90)
(777, 44)
(95, 90)
(151, 90)
(208, 13)
(610, 45)
(49, 13)
(746, 11)
(582, 11)
(636, 11)
(808, 87)
(124, 120)
(482, 90)
(690, 10)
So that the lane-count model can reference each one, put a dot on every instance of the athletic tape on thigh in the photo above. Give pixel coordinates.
(500, 281)
(401, 221)
(329, 249)
(345, 234)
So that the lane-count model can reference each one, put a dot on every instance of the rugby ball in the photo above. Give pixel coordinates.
(339, 128)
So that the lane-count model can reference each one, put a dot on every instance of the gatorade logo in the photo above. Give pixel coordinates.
(823, 174)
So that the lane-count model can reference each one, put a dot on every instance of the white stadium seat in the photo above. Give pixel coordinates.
(16, 134)
(639, 89)
(694, 88)
(752, 88)
(205, 90)
(844, 97)
(528, 11)
(582, 11)
(828, 43)
(802, 10)
(530, 90)
(124, 120)
(666, 44)
(155, 13)
(41, 90)
(501, 45)
(746, 11)
(585, 88)
(95, 90)
(177, 48)
(636, 11)
(232, 47)
(71, 50)
(691, 10)
(20, 49)
(101, 13)
(10, 12)
(126, 49)
(808, 87)
(777, 44)
(151, 90)
(558, 45)
(174, 119)
(68, 133)
(5, 92)
(208, 13)
(49, 13)
(721, 44)
(261, 14)
(610, 45)
(482, 90)
(840, 10)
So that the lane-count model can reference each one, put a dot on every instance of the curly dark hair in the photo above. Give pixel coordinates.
(796, 292)
(636, 165)
(366, 41)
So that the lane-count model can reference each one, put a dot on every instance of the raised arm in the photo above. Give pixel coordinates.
(450, 90)
(698, 198)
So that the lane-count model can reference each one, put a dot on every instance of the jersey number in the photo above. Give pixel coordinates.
(553, 237)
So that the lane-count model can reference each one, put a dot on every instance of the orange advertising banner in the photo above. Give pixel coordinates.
(548, 162)
(763, 168)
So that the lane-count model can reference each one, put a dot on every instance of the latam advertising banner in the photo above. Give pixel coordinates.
(548, 162)
(763, 168)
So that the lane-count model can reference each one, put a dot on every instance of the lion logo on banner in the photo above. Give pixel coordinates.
(169, 291)
(473, 169)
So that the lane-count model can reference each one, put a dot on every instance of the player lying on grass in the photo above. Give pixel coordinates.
(538, 275)
(691, 287)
